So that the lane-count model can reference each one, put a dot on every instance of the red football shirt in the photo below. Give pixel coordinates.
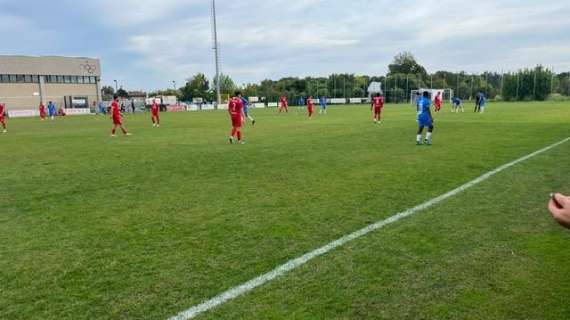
(235, 107)
(115, 109)
(310, 103)
(2, 110)
(378, 102)
(155, 108)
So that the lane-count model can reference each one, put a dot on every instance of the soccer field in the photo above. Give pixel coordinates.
(144, 227)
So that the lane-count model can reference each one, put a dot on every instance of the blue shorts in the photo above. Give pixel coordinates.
(425, 123)
(245, 110)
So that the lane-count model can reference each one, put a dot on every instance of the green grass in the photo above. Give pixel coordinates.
(146, 226)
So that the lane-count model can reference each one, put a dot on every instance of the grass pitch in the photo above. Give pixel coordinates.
(146, 226)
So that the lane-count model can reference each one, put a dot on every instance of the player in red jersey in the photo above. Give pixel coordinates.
(42, 111)
(310, 107)
(235, 109)
(117, 118)
(377, 106)
(2, 119)
(155, 109)
(284, 104)
(437, 102)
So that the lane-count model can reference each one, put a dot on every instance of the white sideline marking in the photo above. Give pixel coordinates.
(297, 262)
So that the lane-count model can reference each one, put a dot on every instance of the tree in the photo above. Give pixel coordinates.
(196, 87)
(227, 85)
(122, 93)
(107, 91)
(405, 63)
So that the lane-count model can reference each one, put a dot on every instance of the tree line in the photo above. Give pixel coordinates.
(405, 74)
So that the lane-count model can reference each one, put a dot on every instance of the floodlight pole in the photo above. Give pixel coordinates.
(216, 51)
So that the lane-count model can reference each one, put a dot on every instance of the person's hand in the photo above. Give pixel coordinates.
(560, 209)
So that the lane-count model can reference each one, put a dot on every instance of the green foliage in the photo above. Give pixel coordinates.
(107, 91)
(405, 63)
(122, 93)
(227, 85)
(196, 87)
(528, 85)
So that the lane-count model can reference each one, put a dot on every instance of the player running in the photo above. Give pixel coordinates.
(42, 111)
(377, 105)
(323, 103)
(51, 110)
(425, 119)
(2, 118)
(438, 102)
(457, 104)
(235, 109)
(284, 104)
(155, 110)
(310, 107)
(117, 118)
(245, 102)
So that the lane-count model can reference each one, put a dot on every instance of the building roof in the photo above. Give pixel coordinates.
(50, 65)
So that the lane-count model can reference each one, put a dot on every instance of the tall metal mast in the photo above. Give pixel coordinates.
(216, 51)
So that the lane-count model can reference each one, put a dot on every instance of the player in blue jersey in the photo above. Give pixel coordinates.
(424, 119)
(245, 102)
(482, 103)
(457, 104)
(323, 103)
(51, 110)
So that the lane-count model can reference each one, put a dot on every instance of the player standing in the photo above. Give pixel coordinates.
(323, 103)
(438, 102)
(2, 118)
(117, 118)
(235, 109)
(245, 102)
(284, 104)
(424, 119)
(51, 110)
(377, 105)
(482, 103)
(310, 107)
(42, 111)
(155, 110)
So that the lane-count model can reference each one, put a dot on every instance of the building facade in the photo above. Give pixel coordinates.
(71, 83)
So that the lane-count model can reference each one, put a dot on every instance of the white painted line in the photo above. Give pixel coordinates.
(297, 262)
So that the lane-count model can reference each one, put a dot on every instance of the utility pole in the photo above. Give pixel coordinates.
(116, 86)
(216, 51)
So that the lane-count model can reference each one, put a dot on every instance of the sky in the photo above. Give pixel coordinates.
(147, 44)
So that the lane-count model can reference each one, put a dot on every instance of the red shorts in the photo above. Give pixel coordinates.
(236, 122)
(377, 110)
(117, 120)
(155, 115)
(2, 118)
(310, 109)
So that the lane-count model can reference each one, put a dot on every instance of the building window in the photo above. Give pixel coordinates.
(20, 78)
(67, 79)
(35, 79)
(74, 79)
(52, 79)
(28, 79)
(4, 78)
(59, 79)
(13, 78)
(80, 79)
(93, 80)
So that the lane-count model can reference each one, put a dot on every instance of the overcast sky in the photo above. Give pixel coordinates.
(145, 44)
